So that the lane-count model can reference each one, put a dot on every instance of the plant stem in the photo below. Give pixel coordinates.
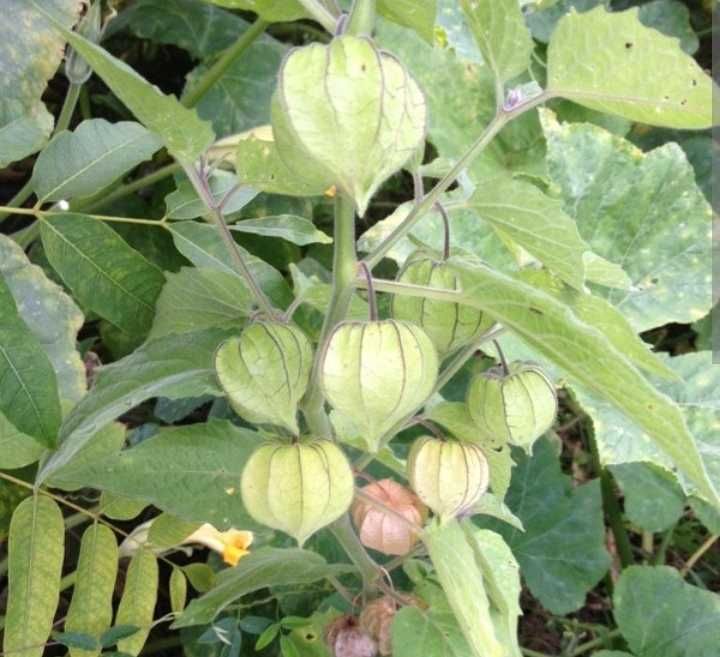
(410, 290)
(216, 71)
(501, 119)
(241, 266)
(320, 14)
(344, 280)
(343, 531)
(697, 555)
(659, 558)
(362, 18)
(595, 643)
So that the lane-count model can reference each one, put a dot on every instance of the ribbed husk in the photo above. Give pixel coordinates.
(378, 372)
(449, 325)
(297, 488)
(449, 476)
(518, 407)
(265, 372)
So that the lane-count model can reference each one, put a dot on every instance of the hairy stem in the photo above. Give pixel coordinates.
(217, 70)
(320, 13)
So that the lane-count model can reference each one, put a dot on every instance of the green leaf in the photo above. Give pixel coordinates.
(534, 221)
(167, 531)
(684, 620)
(191, 472)
(194, 299)
(137, 605)
(266, 567)
(184, 134)
(91, 608)
(184, 202)
(418, 15)
(178, 590)
(654, 501)
(551, 328)
(105, 274)
(95, 154)
(642, 211)
(50, 314)
(174, 367)
(30, 53)
(269, 10)
(114, 634)
(118, 507)
(77, 642)
(427, 632)
(603, 272)
(609, 62)
(454, 559)
(28, 391)
(203, 246)
(499, 30)
(672, 18)
(562, 550)
(543, 18)
(491, 505)
(16, 448)
(290, 227)
(35, 556)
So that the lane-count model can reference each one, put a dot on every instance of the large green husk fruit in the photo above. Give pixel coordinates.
(449, 325)
(448, 476)
(297, 488)
(376, 373)
(265, 372)
(518, 406)
(347, 114)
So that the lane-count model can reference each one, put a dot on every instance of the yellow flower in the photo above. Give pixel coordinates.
(233, 544)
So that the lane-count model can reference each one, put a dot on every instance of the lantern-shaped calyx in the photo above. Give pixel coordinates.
(347, 114)
(385, 530)
(449, 476)
(449, 325)
(378, 372)
(516, 405)
(265, 372)
(297, 488)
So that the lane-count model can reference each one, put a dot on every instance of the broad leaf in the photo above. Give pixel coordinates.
(298, 230)
(499, 30)
(184, 134)
(184, 202)
(91, 608)
(50, 314)
(562, 550)
(551, 328)
(95, 154)
(418, 15)
(174, 366)
(30, 52)
(16, 448)
(137, 605)
(643, 212)
(105, 274)
(262, 568)
(609, 62)
(671, 17)
(418, 631)
(191, 472)
(29, 398)
(543, 17)
(684, 620)
(167, 531)
(36, 550)
(193, 299)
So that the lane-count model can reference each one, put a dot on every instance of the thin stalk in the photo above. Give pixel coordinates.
(501, 119)
(410, 290)
(344, 279)
(343, 531)
(362, 18)
(320, 13)
(446, 229)
(660, 555)
(239, 262)
(698, 554)
(595, 643)
(217, 70)
(85, 109)
(503, 360)
(372, 297)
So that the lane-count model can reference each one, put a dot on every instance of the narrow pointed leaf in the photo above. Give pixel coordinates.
(137, 605)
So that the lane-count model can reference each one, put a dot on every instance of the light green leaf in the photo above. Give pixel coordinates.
(178, 590)
(95, 154)
(91, 608)
(174, 367)
(118, 507)
(30, 53)
(16, 448)
(609, 62)
(290, 227)
(684, 620)
(28, 391)
(193, 299)
(192, 472)
(654, 501)
(672, 18)
(168, 531)
(105, 274)
(137, 605)
(456, 567)
(316, 293)
(491, 505)
(184, 134)
(534, 221)
(428, 632)
(269, 10)
(603, 272)
(643, 212)
(266, 567)
(418, 15)
(499, 30)
(184, 203)
(203, 246)
(35, 556)
(562, 550)
(551, 328)
(50, 314)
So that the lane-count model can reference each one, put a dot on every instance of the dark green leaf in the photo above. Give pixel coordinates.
(114, 634)
(672, 18)
(184, 203)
